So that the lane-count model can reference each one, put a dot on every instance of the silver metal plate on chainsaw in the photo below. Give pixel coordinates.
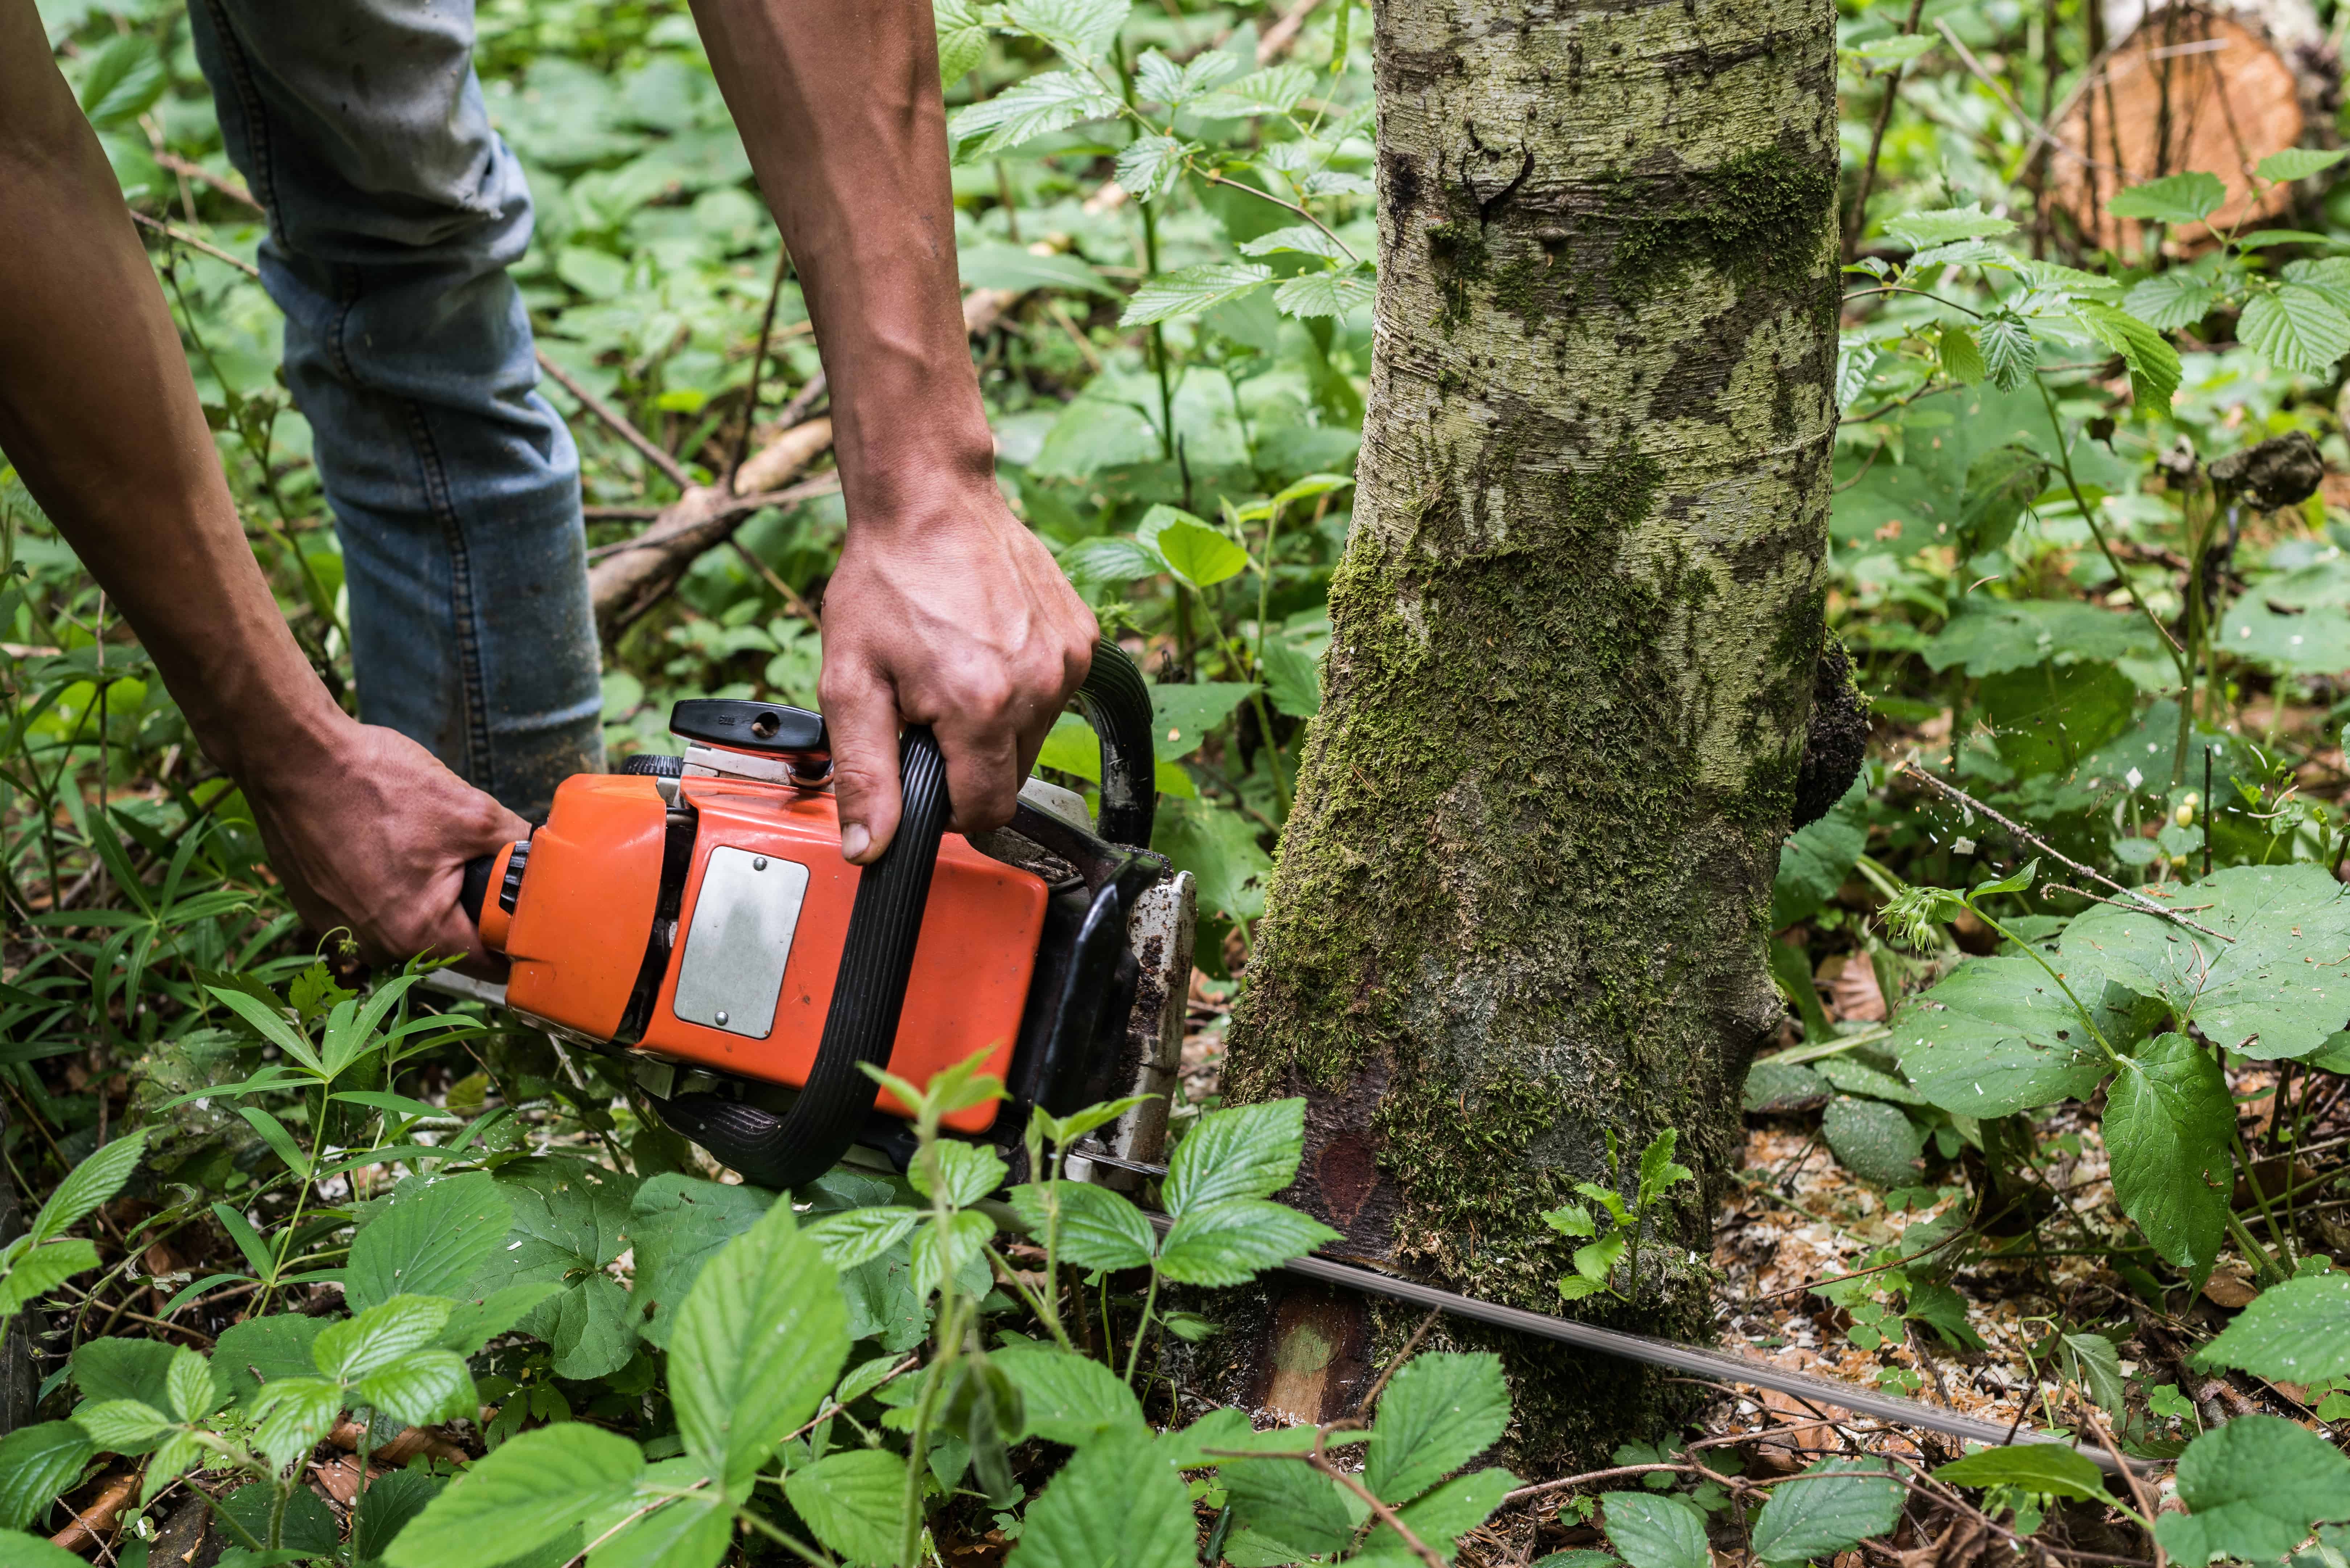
(745, 917)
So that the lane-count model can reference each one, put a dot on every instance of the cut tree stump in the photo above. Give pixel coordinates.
(2185, 87)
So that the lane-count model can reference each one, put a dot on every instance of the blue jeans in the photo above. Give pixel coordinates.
(394, 210)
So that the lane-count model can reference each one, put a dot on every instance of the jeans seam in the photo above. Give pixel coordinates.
(256, 114)
(461, 596)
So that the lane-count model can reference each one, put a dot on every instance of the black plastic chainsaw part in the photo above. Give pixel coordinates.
(1117, 705)
(867, 996)
(767, 727)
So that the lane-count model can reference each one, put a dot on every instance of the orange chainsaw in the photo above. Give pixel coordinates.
(693, 912)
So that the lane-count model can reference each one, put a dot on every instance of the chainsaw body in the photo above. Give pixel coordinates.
(695, 913)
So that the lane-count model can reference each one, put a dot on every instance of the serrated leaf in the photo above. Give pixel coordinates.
(1034, 107)
(1830, 1507)
(429, 1238)
(2328, 277)
(1193, 289)
(1961, 361)
(1274, 90)
(678, 1223)
(853, 1500)
(2254, 995)
(1083, 30)
(2296, 1332)
(2175, 199)
(2171, 300)
(1099, 1229)
(421, 1388)
(2154, 368)
(945, 1251)
(193, 1394)
(1293, 680)
(126, 75)
(1323, 293)
(1231, 1242)
(856, 1236)
(1441, 1410)
(1068, 1399)
(962, 39)
(571, 1222)
(1919, 230)
(87, 1185)
(1116, 1502)
(358, 1345)
(529, 1491)
(1442, 1518)
(2298, 163)
(292, 1416)
(1147, 165)
(759, 1340)
(2167, 1122)
(2010, 352)
(120, 1426)
(2253, 1488)
(1655, 1530)
(2297, 328)
(1284, 1511)
(2049, 1469)
(1301, 239)
(970, 1171)
(1247, 1151)
(40, 1269)
(36, 1463)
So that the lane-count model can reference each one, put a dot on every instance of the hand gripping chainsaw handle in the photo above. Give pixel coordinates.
(861, 1026)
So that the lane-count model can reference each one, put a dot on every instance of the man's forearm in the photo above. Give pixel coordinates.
(98, 415)
(839, 103)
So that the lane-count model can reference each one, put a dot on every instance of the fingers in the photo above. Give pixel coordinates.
(983, 778)
(860, 711)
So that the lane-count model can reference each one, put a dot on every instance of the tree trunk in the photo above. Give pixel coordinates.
(1521, 901)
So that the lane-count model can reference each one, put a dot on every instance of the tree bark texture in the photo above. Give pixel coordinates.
(1521, 901)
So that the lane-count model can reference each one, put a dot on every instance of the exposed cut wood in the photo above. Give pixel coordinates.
(2192, 86)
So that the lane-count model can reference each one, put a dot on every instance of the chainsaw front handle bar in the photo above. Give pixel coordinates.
(1116, 704)
(867, 995)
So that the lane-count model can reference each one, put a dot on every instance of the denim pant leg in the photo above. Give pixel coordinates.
(394, 210)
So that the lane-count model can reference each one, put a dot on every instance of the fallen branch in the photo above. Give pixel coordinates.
(618, 423)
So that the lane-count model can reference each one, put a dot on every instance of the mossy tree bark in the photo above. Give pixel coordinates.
(1521, 901)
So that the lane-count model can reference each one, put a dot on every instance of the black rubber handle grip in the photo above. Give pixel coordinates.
(476, 888)
(867, 996)
(1117, 705)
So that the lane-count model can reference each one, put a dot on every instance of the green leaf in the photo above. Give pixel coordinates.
(138, 1369)
(1181, 716)
(1658, 1173)
(853, 1499)
(2010, 352)
(358, 1345)
(1961, 361)
(970, 1172)
(429, 1238)
(1830, 1508)
(1219, 848)
(42, 1269)
(1998, 1036)
(678, 1224)
(2175, 198)
(1231, 1242)
(2296, 1332)
(2095, 1364)
(762, 1336)
(2171, 300)
(691, 1531)
(2049, 1469)
(1274, 90)
(962, 39)
(2168, 1118)
(275, 1346)
(1033, 107)
(1099, 1229)
(1323, 293)
(2255, 996)
(1298, 239)
(1441, 1410)
(2298, 163)
(1284, 1511)
(950, 1250)
(2297, 328)
(1655, 1530)
(2154, 368)
(1082, 28)
(858, 1236)
(529, 1491)
(31, 1551)
(1293, 679)
(571, 1221)
(292, 1416)
(1018, 269)
(1067, 1399)
(120, 1426)
(1996, 637)
(1919, 230)
(125, 78)
(2252, 1489)
(1148, 165)
(269, 1022)
(1854, 1077)
(36, 1463)
(1248, 1151)
(1899, 49)
(2326, 276)
(193, 1394)
(1874, 1141)
(1815, 859)
(392, 1500)
(1442, 1517)
(1198, 555)
(2047, 720)
(1190, 290)
(87, 1185)
(1777, 1088)
(421, 1387)
(1115, 1502)
(1597, 1261)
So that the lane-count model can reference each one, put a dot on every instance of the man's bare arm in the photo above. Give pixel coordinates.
(99, 417)
(945, 610)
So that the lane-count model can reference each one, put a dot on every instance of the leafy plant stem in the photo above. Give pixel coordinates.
(784, 1539)
(1216, 177)
(2254, 1253)
(2087, 1023)
(2089, 518)
(950, 1341)
(1142, 1326)
(2244, 1171)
